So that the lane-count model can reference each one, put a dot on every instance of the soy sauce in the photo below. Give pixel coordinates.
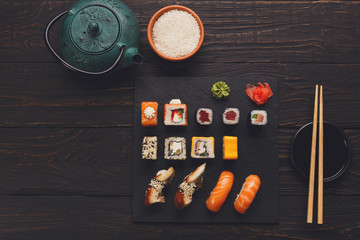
(336, 151)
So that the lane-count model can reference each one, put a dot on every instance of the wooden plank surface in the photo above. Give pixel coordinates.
(51, 95)
(236, 31)
(78, 217)
(66, 161)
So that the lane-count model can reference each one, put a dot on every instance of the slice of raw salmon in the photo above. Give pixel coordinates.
(247, 193)
(220, 192)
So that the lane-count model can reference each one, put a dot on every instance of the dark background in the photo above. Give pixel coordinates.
(66, 143)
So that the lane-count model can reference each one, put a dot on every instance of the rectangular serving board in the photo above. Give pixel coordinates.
(257, 150)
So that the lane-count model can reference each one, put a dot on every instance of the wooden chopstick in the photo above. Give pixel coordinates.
(321, 160)
(312, 161)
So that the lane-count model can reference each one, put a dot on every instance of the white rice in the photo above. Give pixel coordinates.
(176, 33)
(209, 111)
(253, 120)
(178, 140)
(231, 122)
(168, 108)
(207, 144)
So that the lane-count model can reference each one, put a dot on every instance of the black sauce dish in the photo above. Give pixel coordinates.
(337, 151)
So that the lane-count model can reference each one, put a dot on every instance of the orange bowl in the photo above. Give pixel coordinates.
(159, 14)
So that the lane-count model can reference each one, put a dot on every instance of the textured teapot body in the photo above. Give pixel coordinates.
(94, 33)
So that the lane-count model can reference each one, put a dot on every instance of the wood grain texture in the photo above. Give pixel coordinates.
(66, 139)
(236, 31)
(50, 95)
(98, 161)
(66, 161)
(77, 217)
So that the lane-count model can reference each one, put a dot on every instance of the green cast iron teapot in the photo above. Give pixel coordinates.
(97, 36)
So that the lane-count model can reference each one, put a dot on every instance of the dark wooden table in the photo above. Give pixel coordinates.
(66, 139)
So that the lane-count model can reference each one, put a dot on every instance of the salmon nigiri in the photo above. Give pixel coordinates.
(220, 192)
(247, 193)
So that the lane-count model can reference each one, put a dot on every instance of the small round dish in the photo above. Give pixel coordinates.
(337, 151)
(156, 17)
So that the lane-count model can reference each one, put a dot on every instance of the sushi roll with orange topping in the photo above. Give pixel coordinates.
(202, 147)
(175, 113)
(149, 114)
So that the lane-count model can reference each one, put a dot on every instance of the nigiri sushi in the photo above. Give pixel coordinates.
(247, 193)
(220, 192)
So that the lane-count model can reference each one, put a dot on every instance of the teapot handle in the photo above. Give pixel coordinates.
(69, 66)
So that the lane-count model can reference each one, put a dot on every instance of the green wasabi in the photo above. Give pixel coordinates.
(220, 90)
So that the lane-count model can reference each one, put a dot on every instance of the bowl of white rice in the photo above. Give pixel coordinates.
(175, 33)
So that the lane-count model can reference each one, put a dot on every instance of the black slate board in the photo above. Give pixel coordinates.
(257, 150)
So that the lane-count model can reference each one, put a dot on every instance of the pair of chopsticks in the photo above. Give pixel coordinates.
(320, 159)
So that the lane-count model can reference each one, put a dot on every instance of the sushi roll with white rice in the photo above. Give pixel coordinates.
(175, 113)
(202, 147)
(149, 148)
(231, 116)
(175, 148)
(204, 116)
(258, 117)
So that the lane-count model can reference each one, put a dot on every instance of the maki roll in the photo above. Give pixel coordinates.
(149, 114)
(175, 113)
(175, 148)
(231, 116)
(149, 148)
(258, 117)
(202, 147)
(204, 116)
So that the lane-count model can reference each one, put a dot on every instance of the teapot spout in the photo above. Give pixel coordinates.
(137, 59)
(133, 56)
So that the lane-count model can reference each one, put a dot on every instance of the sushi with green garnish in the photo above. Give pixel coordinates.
(175, 148)
(175, 113)
(202, 147)
(258, 117)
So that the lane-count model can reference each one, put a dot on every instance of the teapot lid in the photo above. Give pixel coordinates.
(94, 29)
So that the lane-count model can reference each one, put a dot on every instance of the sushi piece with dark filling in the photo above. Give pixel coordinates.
(231, 116)
(204, 116)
